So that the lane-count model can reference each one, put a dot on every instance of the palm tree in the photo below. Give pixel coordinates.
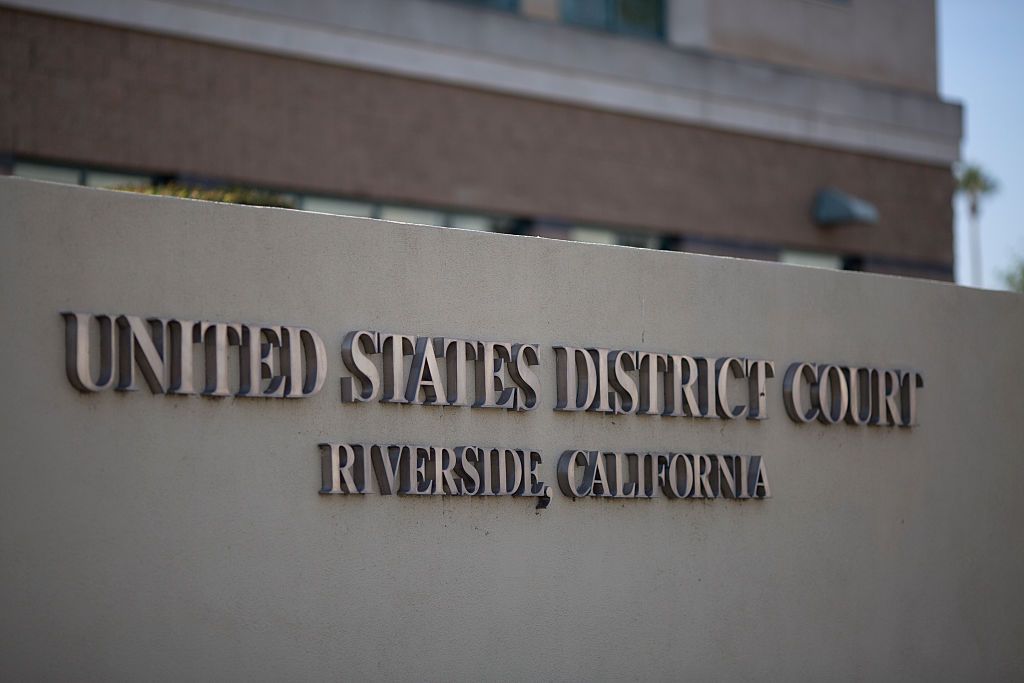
(975, 184)
(1014, 277)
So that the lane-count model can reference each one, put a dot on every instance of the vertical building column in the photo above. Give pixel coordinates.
(548, 10)
(688, 23)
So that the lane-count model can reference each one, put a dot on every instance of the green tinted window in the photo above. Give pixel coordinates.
(508, 5)
(644, 18)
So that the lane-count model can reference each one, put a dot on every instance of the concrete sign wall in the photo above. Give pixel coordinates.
(229, 517)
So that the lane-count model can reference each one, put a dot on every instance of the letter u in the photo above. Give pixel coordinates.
(78, 350)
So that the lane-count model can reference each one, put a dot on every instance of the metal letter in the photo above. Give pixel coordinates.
(414, 474)
(650, 366)
(532, 486)
(395, 348)
(701, 477)
(599, 483)
(833, 396)
(643, 462)
(303, 362)
(621, 488)
(508, 483)
(256, 358)
(142, 341)
(759, 371)
(725, 467)
(912, 381)
(886, 408)
(793, 392)
(354, 350)
(490, 389)
(444, 463)
(624, 397)
(601, 404)
(758, 478)
(893, 383)
(670, 476)
(330, 476)
(706, 388)
(739, 369)
(523, 357)
(181, 341)
(567, 471)
(78, 346)
(336, 468)
(859, 412)
(574, 385)
(215, 338)
(424, 374)
(387, 461)
(486, 468)
(679, 386)
(456, 352)
(467, 471)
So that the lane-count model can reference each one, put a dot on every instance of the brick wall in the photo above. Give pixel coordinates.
(77, 92)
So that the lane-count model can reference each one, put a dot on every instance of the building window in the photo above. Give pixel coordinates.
(506, 5)
(71, 175)
(641, 18)
(409, 214)
(853, 263)
(113, 180)
(466, 221)
(595, 235)
(338, 207)
(53, 174)
(811, 259)
(640, 241)
(590, 235)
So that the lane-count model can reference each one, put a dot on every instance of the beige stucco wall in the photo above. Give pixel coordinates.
(166, 538)
(871, 40)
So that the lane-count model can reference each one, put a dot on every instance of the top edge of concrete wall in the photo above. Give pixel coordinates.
(478, 234)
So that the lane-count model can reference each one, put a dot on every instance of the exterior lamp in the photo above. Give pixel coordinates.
(833, 207)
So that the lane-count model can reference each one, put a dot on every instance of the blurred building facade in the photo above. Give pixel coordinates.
(808, 131)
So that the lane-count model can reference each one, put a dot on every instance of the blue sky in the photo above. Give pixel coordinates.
(981, 60)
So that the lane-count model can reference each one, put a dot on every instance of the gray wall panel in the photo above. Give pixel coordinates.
(154, 537)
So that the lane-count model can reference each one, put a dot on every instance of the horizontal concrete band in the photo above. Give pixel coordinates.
(566, 65)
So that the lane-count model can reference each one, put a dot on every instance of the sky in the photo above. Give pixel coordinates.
(981, 59)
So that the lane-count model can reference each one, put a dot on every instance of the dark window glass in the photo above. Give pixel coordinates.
(507, 5)
(644, 18)
(591, 13)
(853, 263)
(639, 17)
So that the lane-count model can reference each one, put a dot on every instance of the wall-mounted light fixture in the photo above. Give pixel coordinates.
(833, 207)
